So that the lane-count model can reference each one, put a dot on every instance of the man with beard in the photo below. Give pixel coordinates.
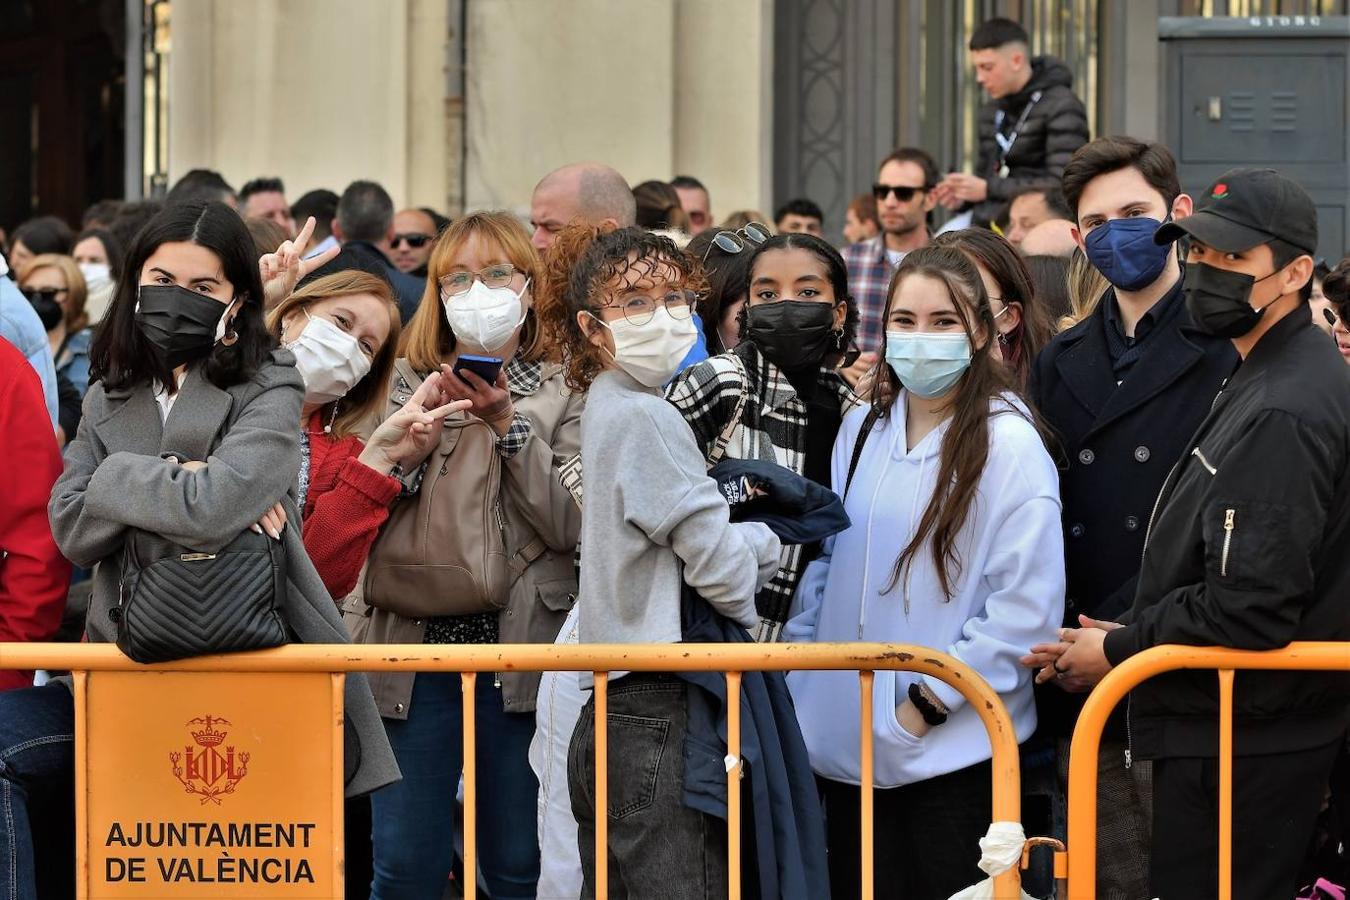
(904, 198)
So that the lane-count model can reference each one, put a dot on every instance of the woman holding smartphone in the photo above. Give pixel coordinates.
(478, 303)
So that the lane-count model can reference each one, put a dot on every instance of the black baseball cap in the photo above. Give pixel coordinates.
(1246, 208)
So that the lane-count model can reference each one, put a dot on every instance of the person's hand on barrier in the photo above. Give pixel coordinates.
(281, 271)
(409, 435)
(271, 522)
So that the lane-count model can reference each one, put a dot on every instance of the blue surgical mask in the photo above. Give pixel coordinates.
(1124, 252)
(928, 364)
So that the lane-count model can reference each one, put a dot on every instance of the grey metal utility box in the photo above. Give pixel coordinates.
(1263, 91)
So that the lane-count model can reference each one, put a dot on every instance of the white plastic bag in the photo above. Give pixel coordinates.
(1001, 850)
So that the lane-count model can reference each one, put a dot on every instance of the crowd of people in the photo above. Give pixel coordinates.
(1090, 415)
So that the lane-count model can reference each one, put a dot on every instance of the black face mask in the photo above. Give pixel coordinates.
(793, 334)
(180, 324)
(45, 305)
(1219, 300)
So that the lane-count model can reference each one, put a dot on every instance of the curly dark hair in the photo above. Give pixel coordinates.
(600, 262)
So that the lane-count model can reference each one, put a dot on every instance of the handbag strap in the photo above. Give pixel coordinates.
(869, 421)
(719, 448)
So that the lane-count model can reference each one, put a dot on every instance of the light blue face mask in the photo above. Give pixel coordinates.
(928, 364)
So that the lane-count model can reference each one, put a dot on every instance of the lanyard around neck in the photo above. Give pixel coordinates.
(1005, 142)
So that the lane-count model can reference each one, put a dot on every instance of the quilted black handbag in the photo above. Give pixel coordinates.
(176, 602)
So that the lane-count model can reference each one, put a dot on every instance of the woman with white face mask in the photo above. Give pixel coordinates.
(521, 422)
(343, 329)
(653, 522)
(98, 253)
(957, 545)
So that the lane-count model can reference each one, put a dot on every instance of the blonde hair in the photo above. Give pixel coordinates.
(365, 402)
(429, 340)
(76, 291)
(1086, 287)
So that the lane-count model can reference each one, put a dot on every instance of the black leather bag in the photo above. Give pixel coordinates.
(176, 602)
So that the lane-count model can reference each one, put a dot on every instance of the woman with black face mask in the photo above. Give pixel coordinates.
(189, 438)
(776, 396)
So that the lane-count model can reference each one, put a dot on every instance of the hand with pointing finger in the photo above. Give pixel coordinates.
(282, 271)
(409, 435)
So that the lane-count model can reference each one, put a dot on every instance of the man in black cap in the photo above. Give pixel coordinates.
(1249, 547)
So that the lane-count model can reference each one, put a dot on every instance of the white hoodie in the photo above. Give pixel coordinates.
(1008, 595)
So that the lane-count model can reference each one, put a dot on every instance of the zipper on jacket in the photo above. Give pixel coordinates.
(1228, 524)
(1148, 533)
(1204, 462)
(1129, 732)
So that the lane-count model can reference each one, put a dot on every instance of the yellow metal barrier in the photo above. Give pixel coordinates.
(1087, 735)
(732, 659)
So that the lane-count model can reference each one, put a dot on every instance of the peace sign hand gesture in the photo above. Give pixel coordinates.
(281, 271)
(410, 434)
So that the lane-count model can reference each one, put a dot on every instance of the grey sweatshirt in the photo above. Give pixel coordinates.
(651, 511)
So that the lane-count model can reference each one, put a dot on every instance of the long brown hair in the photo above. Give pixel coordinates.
(365, 402)
(1015, 285)
(965, 446)
(428, 340)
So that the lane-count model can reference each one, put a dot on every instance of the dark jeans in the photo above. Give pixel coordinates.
(37, 797)
(414, 819)
(658, 847)
(926, 836)
(1275, 804)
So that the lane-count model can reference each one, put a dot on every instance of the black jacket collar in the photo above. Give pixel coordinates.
(1273, 344)
(1085, 365)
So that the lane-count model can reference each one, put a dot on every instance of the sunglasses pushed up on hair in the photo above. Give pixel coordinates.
(751, 234)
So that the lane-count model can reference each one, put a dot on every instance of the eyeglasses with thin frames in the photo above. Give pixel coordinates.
(494, 276)
(639, 309)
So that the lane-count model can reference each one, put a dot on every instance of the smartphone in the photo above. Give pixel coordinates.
(485, 367)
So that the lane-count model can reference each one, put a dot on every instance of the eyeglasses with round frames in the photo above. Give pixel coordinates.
(639, 309)
(752, 233)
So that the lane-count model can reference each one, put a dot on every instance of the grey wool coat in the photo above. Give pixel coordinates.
(116, 478)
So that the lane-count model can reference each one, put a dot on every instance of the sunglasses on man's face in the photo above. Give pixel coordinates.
(415, 240)
(902, 192)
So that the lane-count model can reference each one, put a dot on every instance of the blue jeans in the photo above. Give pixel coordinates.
(37, 763)
(414, 820)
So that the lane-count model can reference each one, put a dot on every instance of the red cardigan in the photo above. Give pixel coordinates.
(346, 506)
(34, 576)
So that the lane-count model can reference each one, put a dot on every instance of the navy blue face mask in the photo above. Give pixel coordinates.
(1124, 252)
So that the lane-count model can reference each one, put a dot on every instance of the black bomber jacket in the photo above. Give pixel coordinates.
(1249, 548)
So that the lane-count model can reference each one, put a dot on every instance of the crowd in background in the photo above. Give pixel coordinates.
(1088, 415)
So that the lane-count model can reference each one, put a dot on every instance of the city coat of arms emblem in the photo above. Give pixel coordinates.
(211, 768)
